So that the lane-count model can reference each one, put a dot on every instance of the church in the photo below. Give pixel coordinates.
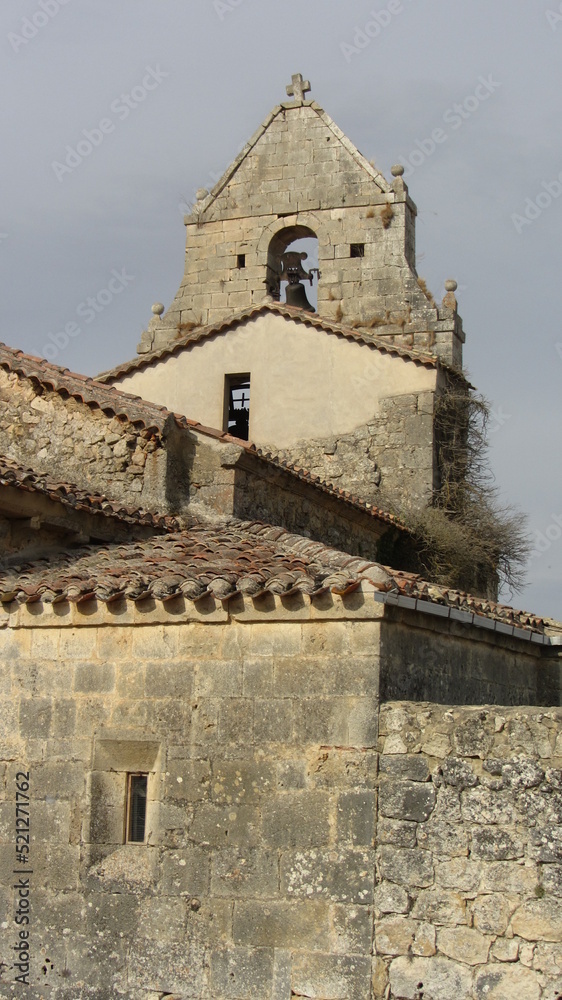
(250, 749)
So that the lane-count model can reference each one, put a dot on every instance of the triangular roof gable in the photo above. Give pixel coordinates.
(197, 334)
(296, 125)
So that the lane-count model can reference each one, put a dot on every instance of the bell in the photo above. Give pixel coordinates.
(296, 296)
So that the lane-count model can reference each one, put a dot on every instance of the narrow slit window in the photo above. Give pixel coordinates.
(241, 260)
(237, 406)
(357, 250)
(137, 789)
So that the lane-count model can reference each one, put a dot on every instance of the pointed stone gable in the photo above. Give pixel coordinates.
(299, 160)
(300, 176)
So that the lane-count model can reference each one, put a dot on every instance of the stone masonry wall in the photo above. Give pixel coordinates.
(67, 439)
(468, 903)
(257, 878)
(392, 457)
(269, 871)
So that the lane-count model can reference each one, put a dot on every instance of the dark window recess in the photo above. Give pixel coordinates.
(241, 260)
(238, 406)
(357, 250)
(137, 787)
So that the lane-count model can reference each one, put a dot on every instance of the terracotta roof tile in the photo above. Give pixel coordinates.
(288, 312)
(84, 389)
(69, 495)
(246, 557)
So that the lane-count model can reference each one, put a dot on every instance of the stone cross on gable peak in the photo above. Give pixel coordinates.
(298, 88)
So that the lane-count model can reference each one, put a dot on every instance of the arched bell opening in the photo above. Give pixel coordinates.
(292, 266)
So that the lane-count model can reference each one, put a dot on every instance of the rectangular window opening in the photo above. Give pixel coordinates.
(357, 250)
(237, 406)
(137, 790)
(241, 260)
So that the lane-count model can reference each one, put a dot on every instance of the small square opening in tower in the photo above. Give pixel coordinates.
(237, 405)
(137, 791)
(241, 260)
(357, 250)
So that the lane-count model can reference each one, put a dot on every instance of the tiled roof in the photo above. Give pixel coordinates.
(306, 476)
(138, 411)
(246, 557)
(87, 390)
(288, 312)
(69, 495)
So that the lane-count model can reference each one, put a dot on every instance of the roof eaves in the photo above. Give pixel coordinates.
(289, 312)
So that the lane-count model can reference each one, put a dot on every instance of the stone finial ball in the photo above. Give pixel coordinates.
(397, 170)
(451, 285)
(201, 194)
(158, 308)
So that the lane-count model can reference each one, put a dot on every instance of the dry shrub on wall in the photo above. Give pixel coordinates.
(469, 539)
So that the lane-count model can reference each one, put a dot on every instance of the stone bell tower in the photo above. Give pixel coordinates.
(300, 176)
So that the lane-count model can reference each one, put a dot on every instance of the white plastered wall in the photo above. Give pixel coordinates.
(305, 383)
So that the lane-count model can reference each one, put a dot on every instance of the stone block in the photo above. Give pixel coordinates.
(406, 800)
(185, 872)
(491, 913)
(242, 781)
(241, 973)
(538, 919)
(505, 982)
(398, 832)
(356, 818)
(187, 780)
(495, 844)
(440, 906)
(297, 819)
(463, 944)
(226, 826)
(236, 718)
(322, 720)
(338, 876)
(273, 721)
(394, 935)
(35, 717)
(406, 866)
(155, 642)
(391, 898)
(319, 976)
(464, 874)
(446, 840)
(483, 805)
(439, 978)
(353, 926)
(94, 678)
(57, 780)
(405, 766)
(248, 873)
(168, 680)
(282, 924)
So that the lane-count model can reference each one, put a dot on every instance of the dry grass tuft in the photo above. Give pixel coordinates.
(387, 215)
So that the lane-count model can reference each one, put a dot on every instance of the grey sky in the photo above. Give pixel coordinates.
(215, 69)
